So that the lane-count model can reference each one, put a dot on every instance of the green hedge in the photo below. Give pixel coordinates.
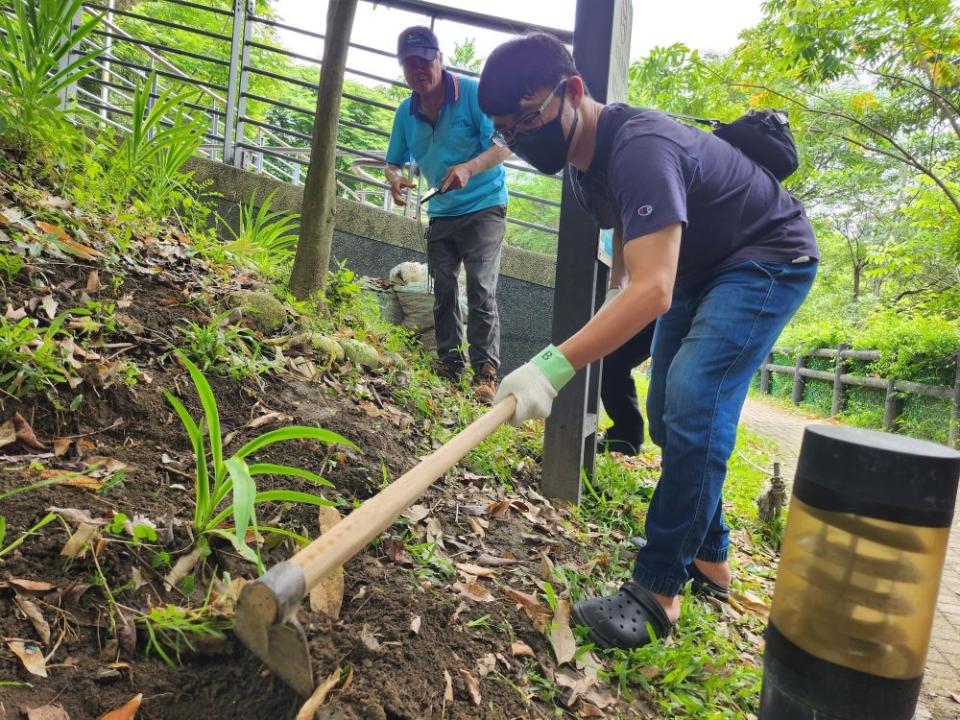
(917, 349)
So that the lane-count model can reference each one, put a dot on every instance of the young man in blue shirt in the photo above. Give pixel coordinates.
(706, 242)
(442, 128)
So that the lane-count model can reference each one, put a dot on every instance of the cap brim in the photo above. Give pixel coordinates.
(417, 51)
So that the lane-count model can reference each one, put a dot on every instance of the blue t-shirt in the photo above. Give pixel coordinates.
(662, 172)
(460, 133)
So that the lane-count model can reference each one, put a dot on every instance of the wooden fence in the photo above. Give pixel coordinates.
(895, 389)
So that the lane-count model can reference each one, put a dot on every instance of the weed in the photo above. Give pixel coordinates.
(36, 36)
(225, 488)
(172, 630)
(265, 239)
(342, 286)
(224, 349)
(432, 564)
(4, 549)
(10, 265)
(30, 358)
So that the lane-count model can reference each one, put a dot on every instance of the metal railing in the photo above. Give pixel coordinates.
(234, 69)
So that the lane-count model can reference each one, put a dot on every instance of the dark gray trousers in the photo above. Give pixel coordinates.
(475, 240)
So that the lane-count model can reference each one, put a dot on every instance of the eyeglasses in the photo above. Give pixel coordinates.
(528, 124)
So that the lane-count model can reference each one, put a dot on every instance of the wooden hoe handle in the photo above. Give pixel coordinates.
(349, 536)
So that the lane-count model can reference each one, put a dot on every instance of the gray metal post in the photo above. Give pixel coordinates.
(601, 49)
(154, 91)
(69, 92)
(106, 74)
(236, 50)
(244, 81)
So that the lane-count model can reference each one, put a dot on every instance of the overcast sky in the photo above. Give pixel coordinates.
(702, 24)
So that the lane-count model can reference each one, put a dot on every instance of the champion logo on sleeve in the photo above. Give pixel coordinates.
(645, 210)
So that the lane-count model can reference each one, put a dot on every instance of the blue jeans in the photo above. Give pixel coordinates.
(705, 350)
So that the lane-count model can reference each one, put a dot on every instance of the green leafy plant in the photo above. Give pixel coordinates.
(171, 630)
(223, 348)
(32, 358)
(39, 61)
(265, 239)
(148, 162)
(10, 265)
(342, 285)
(225, 489)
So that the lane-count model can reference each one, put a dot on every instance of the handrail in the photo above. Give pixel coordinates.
(234, 120)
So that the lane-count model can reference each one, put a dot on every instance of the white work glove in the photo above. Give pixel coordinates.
(611, 294)
(535, 385)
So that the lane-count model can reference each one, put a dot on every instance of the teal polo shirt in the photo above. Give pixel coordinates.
(461, 133)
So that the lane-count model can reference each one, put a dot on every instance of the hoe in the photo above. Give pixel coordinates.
(266, 611)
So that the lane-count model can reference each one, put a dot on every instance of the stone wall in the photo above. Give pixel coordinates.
(373, 241)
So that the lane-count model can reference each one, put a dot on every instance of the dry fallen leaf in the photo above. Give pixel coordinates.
(76, 516)
(561, 636)
(309, 709)
(486, 665)
(50, 306)
(127, 712)
(369, 640)
(578, 682)
(478, 525)
(67, 243)
(80, 541)
(493, 561)
(589, 710)
(498, 508)
(473, 686)
(475, 570)
(448, 688)
(416, 513)
(521, 649)
(93, 282)
(473, 590)
(28, 585)
(66, 477)
(415, 625)
(327, 595)
(25, 433)
(8, 435)
(33, 614)
(181, 569)
(30, 655)
(61, 445)
(538, 613)
(47, 712)
(748, 602)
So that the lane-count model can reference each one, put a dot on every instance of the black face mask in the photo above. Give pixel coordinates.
(547, 148)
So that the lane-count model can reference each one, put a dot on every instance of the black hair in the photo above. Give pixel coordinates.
(519, 68)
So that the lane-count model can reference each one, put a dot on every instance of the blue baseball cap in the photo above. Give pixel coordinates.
(417, 41)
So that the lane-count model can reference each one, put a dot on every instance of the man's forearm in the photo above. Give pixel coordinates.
(489, 158)
(618, 272)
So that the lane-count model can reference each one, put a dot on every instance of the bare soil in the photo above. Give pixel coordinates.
(402, 674)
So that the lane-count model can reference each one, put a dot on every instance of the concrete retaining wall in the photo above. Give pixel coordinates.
(373, 241)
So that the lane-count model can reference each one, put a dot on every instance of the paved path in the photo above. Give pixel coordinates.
(942, 680)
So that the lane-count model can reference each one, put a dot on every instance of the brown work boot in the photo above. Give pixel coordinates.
(485, 382)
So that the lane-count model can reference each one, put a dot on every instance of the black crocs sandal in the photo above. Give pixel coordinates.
(703, 586)
(620, 620)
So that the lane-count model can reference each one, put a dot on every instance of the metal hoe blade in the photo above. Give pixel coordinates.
(266, 623)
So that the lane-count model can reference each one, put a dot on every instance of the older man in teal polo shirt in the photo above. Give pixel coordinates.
(442, 127)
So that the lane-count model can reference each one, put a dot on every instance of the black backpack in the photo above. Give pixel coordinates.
(762, 135)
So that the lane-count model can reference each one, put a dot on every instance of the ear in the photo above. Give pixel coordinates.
(576, 90)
